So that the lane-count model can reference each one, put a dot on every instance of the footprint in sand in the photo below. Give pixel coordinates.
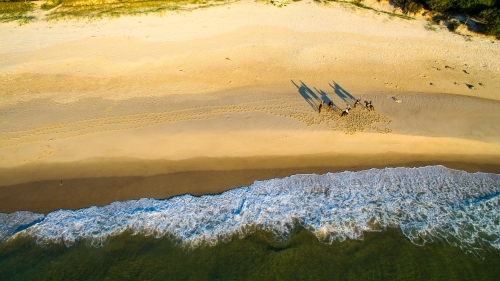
(395, 99)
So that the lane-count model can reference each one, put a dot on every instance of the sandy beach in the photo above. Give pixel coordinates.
(203, 101)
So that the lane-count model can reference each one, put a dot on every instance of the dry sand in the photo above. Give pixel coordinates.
(199, 102)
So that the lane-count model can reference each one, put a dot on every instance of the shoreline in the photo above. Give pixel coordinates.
(192, 176)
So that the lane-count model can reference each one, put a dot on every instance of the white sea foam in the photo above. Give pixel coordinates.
(426, 203)
(17, 221)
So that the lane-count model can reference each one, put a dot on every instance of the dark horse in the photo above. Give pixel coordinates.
(345, 112)
(369, 106)
(330, 106)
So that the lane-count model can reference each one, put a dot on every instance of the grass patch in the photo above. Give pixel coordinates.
(98, 9)
(431, 27)
(16, 11)
(51, 4)
(278, 3)
(359, 4)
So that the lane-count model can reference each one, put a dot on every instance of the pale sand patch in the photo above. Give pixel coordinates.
(241, 82)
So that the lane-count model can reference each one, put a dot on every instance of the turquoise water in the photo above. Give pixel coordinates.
(427, 223)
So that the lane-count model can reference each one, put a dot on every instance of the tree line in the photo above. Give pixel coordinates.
(487, 10)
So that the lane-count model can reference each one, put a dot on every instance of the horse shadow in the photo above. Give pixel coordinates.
(325, 97)
(342, 93)
(311, 97)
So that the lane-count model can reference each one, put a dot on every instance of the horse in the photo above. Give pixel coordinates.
(321, 105)
(345, 112)
(358, 102)
(369, 106)
(330, 106)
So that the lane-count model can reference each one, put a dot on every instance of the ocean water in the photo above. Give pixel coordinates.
(393, 223)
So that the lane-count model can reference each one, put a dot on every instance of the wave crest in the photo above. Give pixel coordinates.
(426, 203)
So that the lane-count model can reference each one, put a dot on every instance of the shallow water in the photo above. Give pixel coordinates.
(386, 255)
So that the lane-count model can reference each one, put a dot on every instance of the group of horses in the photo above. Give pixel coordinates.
(345, 112)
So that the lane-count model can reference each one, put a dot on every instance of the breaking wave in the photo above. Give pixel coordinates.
(17, 221)
(426, 203)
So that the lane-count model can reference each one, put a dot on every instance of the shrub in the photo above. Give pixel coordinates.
(469, 6)
(492, 16)
(474, 6)
(439, 5)
(409, 6)
(412, 7)
(452, 25)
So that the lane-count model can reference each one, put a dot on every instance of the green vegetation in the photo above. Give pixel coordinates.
(16, 11)
(452, 25)
(488, 10)
(50, 4)
(278, 3)
(469, 6)
(492, 16)
(431, 27)
(409, 6)
(96, 9)
(359, 3)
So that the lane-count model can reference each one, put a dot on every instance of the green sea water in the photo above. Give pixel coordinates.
(386, 255)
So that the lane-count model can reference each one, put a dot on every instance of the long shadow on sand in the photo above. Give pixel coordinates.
(313, 98)
(342, 93)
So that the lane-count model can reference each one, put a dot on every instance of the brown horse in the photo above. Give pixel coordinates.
(358, 102)
(321, 105)
(330, 106)
(369, 106)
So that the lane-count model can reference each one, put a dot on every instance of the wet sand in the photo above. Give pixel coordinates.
(197, 177)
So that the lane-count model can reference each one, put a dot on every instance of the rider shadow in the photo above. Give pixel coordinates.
(325, 97)
(343, 94)
(306, 92)
(311, 97)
